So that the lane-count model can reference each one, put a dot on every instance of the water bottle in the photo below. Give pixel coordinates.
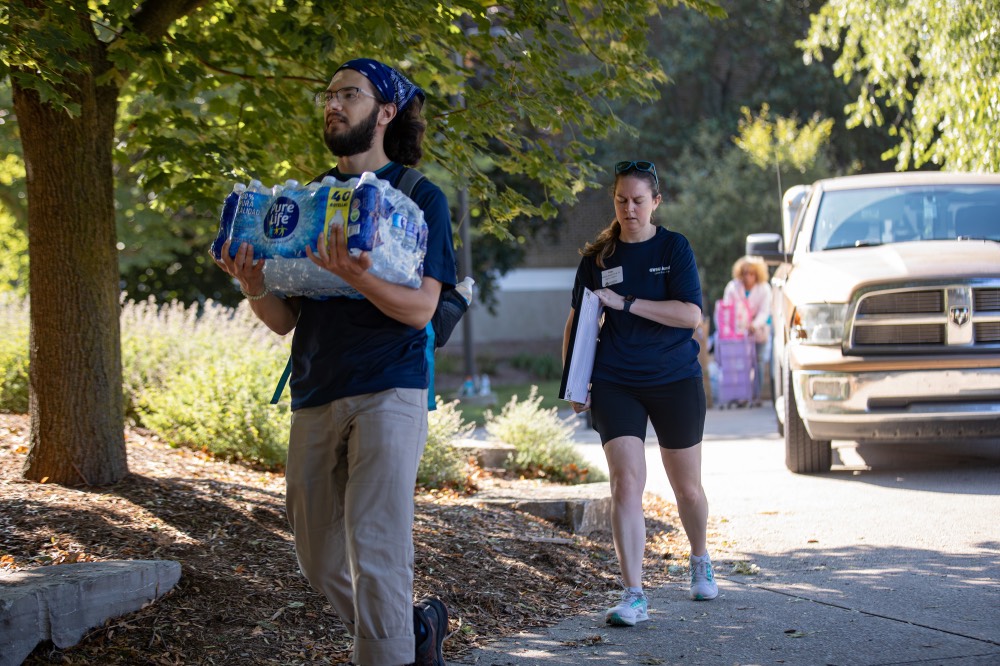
(464, 288)
(248, 222)
(226, 220)
(362, 222)
(397, 230)
(412, 231)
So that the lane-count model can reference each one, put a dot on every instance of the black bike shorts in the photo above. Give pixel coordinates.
(676, 410)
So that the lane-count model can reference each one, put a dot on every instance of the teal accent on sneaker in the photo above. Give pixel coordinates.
(631, 609)
(703, 585)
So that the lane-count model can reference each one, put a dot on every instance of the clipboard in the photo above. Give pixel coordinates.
(582, 349)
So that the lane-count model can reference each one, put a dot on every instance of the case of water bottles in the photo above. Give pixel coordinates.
(282, 221)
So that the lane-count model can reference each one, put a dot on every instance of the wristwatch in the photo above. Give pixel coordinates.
(629, 300)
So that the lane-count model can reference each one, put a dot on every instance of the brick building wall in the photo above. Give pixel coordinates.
(582, 222)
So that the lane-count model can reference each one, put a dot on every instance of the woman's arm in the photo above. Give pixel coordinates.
(566, 333)
(669, 313)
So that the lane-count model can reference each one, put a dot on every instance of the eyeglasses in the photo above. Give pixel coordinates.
(647, 167)
(345, 95)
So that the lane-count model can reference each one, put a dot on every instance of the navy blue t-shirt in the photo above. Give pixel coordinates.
(347, 346)
(633, 350)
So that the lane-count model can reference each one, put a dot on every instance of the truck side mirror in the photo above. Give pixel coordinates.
(769, 247)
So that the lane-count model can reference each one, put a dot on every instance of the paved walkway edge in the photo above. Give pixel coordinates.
(62, 602)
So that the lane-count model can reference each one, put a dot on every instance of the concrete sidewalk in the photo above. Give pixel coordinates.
(871, 603)
(751, 622)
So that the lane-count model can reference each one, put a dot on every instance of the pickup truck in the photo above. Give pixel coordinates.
(886, 311)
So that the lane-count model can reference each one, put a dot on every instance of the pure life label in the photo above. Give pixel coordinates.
(282, 218)
(284, 225)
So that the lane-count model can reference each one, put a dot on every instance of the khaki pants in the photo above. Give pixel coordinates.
(352, 467)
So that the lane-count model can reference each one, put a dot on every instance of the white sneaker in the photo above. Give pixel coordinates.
(633, 608)
(703, 585)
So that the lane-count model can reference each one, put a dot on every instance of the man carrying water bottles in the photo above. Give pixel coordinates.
(359, 385)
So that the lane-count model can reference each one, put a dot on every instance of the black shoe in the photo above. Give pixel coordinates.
(434, 616)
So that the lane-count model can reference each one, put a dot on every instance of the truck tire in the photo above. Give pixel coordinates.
(803, 454)
(777, 390)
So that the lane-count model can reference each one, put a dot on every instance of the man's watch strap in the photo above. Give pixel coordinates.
(629, 300)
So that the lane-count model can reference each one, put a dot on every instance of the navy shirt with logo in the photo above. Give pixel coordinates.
(346, 346)
(633, 350)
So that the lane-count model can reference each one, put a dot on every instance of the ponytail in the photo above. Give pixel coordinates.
(605, 243)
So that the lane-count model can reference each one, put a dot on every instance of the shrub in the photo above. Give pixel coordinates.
(443, 465)
(202, 378)
(14, 354)
(543, 442)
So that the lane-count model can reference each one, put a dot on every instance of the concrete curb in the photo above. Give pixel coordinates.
(62, 602)
(489, 454)
(582, 509)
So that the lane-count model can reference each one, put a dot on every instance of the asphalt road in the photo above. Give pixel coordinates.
(893, 557)
(936, 500)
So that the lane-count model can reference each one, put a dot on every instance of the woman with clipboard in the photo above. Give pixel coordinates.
(646, 367)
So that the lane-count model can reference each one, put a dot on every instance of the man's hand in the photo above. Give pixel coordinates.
(331, 254)
(250, 273)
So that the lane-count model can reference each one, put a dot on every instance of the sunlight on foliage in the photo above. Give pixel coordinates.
(517, 89)
(14, 354)
(783, 142)
(13, 256)
(929, 70)
(543, 441)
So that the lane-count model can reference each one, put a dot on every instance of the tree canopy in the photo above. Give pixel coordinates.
(930, 71)
(213, 92)
(178, 98)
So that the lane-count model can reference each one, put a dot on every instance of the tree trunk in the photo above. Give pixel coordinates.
(77, 411)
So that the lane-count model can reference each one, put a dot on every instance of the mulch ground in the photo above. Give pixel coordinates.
(241, 599)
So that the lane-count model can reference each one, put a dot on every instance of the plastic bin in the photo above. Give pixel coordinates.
(737, 360)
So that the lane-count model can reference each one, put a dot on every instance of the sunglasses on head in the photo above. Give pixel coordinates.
(637, 165)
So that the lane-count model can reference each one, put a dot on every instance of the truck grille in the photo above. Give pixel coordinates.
(958, 318)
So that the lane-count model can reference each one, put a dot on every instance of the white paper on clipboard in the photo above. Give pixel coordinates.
(582, 348)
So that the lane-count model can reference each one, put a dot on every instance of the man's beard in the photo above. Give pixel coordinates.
(355, 140)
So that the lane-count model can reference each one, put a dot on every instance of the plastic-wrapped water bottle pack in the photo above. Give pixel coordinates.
(280, 222)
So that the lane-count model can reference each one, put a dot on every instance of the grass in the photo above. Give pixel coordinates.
(548, 389)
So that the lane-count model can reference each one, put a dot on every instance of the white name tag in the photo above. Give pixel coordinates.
(612, 276)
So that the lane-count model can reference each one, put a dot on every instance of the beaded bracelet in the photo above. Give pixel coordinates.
(253, 298)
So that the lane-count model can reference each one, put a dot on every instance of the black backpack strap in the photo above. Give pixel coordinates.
(409, 181)
(406, 183)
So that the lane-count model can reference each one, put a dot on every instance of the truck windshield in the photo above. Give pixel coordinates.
(877, 216)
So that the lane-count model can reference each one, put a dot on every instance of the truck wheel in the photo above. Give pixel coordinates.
(776, 392)
(803, 454)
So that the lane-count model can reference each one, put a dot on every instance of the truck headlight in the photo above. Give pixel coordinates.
(819, 323)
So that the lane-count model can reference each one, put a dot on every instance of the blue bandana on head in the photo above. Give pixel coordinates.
(390, 84)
